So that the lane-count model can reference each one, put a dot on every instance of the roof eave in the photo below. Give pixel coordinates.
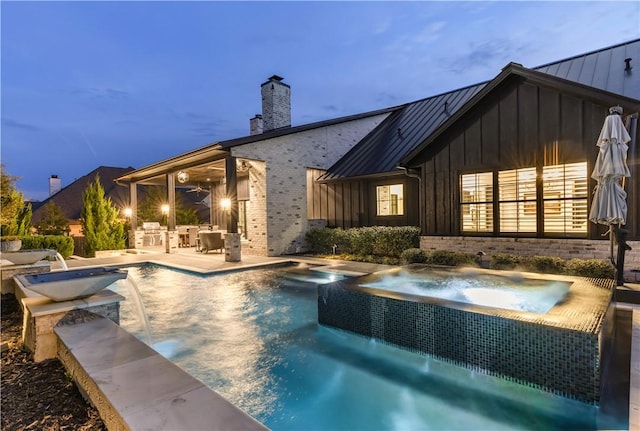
(375, 175)
(196, 157)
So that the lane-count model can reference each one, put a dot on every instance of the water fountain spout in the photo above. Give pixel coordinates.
(60, 259)
(137, 299)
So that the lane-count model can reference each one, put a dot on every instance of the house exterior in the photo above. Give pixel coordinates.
(265, 175)
(445, 163)
(69, 198)
(513, 134)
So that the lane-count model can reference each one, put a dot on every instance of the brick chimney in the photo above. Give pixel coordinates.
(276, 104)
(255, 125)
(55, 184)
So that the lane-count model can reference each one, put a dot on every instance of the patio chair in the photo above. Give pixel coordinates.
(211, 241)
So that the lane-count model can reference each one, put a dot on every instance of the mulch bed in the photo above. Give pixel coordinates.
(37, 396)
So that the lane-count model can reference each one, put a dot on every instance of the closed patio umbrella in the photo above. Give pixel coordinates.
(609, 205)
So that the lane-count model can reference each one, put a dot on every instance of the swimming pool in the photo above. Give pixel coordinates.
(253, 337)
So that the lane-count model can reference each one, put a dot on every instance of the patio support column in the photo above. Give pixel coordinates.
(232, 249)
(133, 204)
(232, 194)
(171, 200)
(134, 241)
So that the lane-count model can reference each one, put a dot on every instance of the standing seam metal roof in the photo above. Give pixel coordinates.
(383, 148)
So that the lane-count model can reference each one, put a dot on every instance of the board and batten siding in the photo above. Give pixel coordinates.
(352, 203)
(519, 125)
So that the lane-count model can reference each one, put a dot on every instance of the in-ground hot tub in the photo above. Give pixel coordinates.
(560, 349)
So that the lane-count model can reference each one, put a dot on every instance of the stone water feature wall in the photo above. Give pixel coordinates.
(560, 352)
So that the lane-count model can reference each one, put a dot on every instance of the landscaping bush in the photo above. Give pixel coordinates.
(505, 261)
(62, 244)
(595, 268)
(546, 264)
(392, 241)
(320, 240)
(361, 240)
(449, 258)
(384, 241)
(413, 255)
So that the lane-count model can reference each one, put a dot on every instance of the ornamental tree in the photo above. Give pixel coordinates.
(15, 216)
(53, 221)
(102, 228)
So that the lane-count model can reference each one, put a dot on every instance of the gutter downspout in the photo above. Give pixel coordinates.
(416, 173)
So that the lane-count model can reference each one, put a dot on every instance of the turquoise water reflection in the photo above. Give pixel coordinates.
(253, 337)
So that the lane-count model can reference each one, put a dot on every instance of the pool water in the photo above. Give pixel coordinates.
(253, 337)
(511, 293)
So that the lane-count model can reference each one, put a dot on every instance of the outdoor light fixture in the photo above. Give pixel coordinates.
(183, 177)
(225, 203)
(128, 212)
(242, 166)
(165, 209)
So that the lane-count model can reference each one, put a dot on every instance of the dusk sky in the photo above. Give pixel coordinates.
(86, 84)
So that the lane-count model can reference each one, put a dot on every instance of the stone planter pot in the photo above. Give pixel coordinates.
(12, 245)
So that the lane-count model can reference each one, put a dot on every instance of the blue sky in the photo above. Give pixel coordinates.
(86, 84)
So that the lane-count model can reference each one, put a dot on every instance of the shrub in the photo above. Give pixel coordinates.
(546, 264)
(449, 258)
(62, 244)
(595, 268)
(101, 226)
(320, 240)
(505, 261)
(392, 241)
(413, 255)
(384, 241)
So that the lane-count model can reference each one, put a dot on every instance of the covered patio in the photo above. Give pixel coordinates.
(173, 203)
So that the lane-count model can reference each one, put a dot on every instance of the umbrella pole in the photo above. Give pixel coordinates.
(613, 261)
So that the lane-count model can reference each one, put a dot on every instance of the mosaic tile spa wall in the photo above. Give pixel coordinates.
(559, 352)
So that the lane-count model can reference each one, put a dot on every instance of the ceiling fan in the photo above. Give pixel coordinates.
(196, 189)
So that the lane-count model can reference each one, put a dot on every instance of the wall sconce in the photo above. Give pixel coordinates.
(182, 177)
(165, 209)
(225, 203)
(242, 166)
(128, 212)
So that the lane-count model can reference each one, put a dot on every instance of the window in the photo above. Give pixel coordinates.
(477, 202)
(390, 200)
(565, 198)
(562, 206)
(517, 197)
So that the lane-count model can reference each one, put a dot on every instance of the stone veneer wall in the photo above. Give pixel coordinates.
(277, 210)
(564, 248)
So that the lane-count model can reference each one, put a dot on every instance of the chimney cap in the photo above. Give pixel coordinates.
(54, 176)
(275, 78)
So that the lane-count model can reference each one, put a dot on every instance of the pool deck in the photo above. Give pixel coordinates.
(188, 258)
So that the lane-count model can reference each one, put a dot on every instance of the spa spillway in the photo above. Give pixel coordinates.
(74, 284)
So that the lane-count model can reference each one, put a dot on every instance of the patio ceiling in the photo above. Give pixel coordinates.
(200, 175)
(203, 166)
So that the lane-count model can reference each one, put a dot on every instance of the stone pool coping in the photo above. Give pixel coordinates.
(134, 387)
